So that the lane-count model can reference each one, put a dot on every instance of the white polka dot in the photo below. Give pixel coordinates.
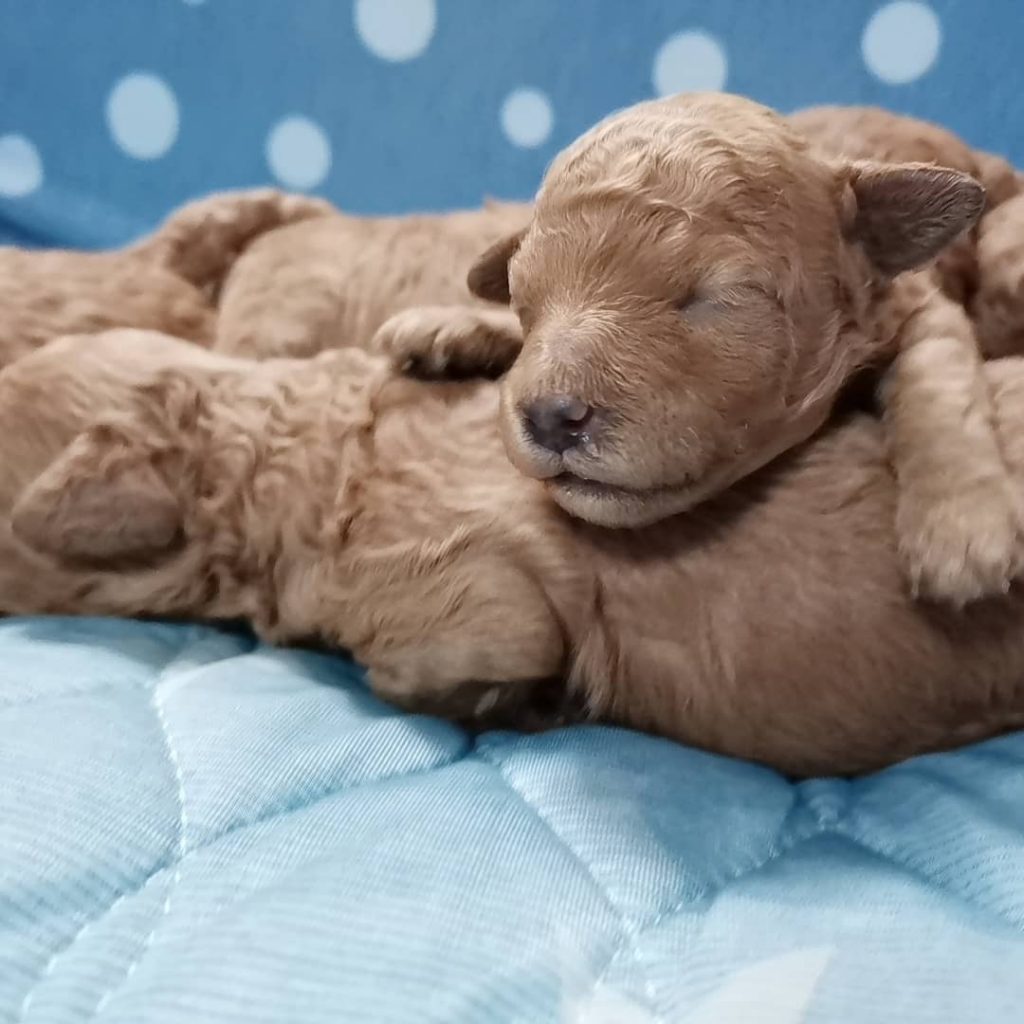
(299, 153)
(901, 41)
(21, 169)
(396, 29)
(142, 115)
(690, 62)
(526, 117)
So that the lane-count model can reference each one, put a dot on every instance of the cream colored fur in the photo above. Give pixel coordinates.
(334, 499)
(739, 265)
(331, 499)
(742, 266)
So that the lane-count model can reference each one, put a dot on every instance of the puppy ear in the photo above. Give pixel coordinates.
(99, 506)
(488, 277)
(906, 214)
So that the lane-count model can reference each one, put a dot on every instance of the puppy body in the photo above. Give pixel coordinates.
(299, 290)
(739, 265)
(743, 266)
(262, 273)
(331, 499)
(44, 295)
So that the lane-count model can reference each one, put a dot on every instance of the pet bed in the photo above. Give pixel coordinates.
(195, 827)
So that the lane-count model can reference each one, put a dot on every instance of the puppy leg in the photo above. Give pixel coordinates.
(450, 341)
(202, 239)
(997, 307)
(959, 521)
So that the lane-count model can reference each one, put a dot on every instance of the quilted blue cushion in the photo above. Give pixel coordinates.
(196, 828)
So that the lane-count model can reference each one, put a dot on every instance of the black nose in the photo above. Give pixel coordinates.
(557, 422)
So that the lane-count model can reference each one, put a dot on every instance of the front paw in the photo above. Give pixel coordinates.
(438, 342)
(962, 546)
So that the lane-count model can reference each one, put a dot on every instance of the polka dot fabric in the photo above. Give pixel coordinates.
(115, 112)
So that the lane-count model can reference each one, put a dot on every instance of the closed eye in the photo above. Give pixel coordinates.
(720, 300)
(699, 304)
(694, 299)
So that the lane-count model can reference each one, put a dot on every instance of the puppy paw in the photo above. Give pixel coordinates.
(962, 546)
(449, 342)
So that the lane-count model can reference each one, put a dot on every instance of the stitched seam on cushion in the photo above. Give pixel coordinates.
(181, 843)
(58, 954)
(845, 829)
(183, 851)
(239, 826)
(306, 801)
(126, 680)
(714, 889)
(628, 931)
(629, 942)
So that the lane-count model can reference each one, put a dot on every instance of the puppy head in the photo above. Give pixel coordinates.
(694, 288)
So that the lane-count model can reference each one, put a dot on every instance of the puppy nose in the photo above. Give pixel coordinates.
(557, 422)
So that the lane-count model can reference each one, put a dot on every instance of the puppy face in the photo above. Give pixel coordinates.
(694, 288)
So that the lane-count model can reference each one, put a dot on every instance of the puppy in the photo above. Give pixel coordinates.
(335, 500)
(744, 264)
(167, 281)
(235, 269)
(741, 267)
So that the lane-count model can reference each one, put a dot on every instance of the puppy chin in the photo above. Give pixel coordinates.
(612, 507)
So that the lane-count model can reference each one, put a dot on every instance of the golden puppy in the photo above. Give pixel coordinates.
(702, 249)
(702, 276)
(331, 499)
(167, 281)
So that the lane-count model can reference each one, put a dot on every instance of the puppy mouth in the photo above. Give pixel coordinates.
(615, 505)
(570, 483)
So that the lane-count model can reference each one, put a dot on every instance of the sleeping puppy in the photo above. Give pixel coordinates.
(738, 264)
(741, 267)
(701, 249)
(332, 499)
(168, 281)
(234, 269)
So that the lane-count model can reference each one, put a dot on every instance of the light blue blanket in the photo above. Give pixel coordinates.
(196, 829)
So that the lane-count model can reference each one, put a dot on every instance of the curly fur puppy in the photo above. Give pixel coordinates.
(261, 273)
(740, 267)
(702, 249)
(332, 499)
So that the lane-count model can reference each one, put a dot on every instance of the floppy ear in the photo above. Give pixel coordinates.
(488, 277)
(93, 508)
(908, 213)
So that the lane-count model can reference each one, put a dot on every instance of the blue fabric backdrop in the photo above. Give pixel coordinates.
(115, 110)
